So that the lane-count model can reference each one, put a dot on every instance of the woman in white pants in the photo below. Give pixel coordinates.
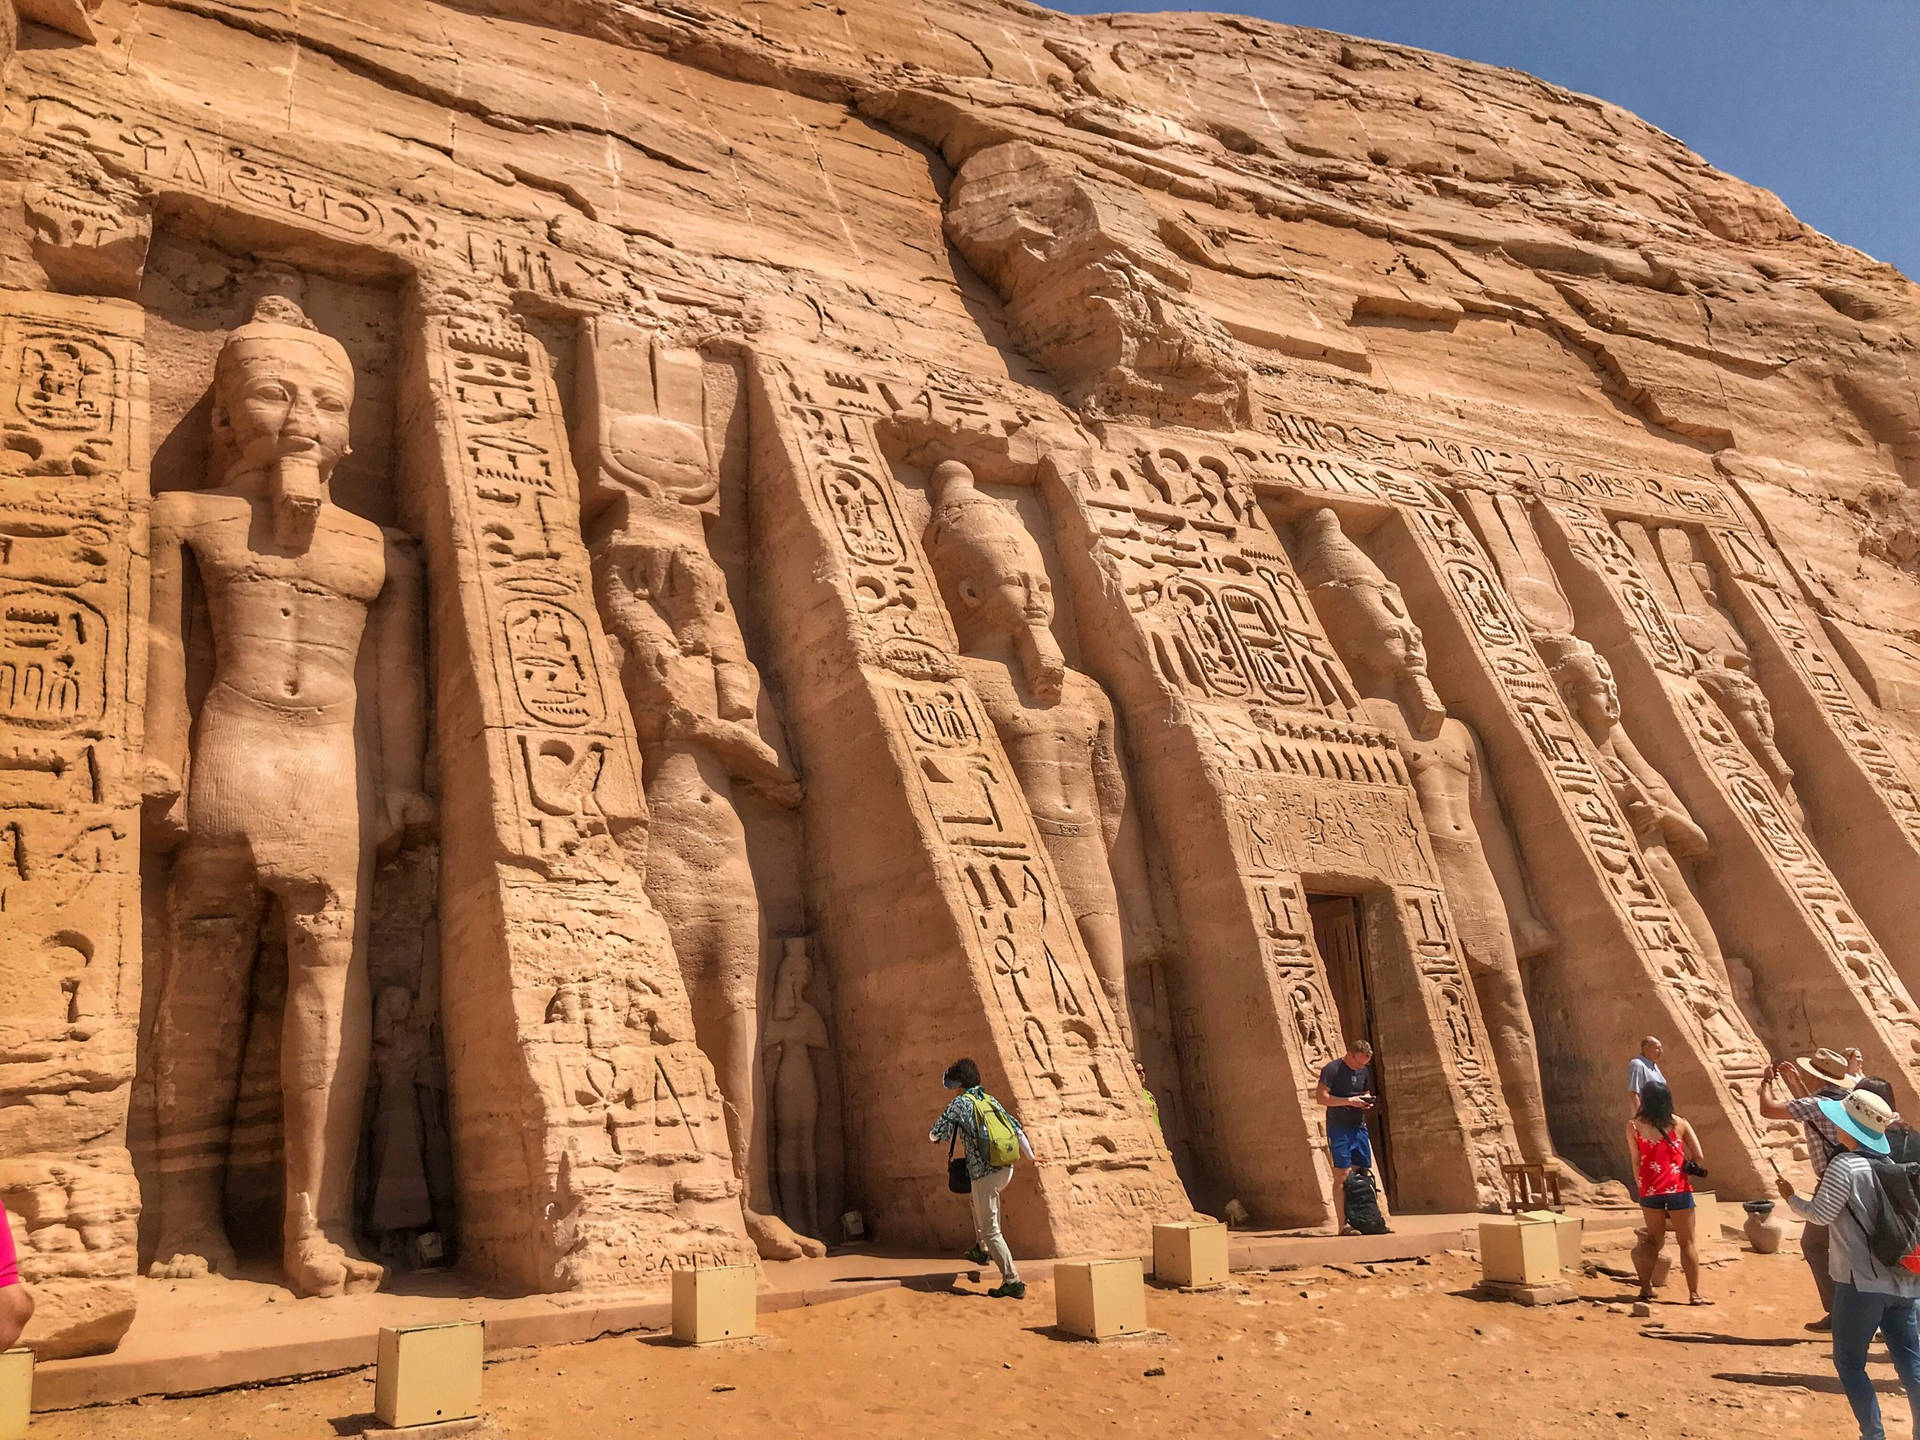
(961, 1117)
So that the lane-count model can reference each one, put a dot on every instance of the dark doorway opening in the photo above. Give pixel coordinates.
(1338, 936)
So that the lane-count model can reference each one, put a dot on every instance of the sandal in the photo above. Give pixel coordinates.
(1698, 1300)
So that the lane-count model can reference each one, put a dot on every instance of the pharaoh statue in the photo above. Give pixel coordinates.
(1057, 725)
(1664, 830)
(276, 796)
(1479, 866)
(794, 1034)
(651, 482)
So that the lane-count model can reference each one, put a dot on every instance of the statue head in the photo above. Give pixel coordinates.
(992, 575)
(795, 974)
(1366, 618)
(282, 400)
(1586, 682)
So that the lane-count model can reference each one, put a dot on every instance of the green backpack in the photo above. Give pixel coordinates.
(997, 1135)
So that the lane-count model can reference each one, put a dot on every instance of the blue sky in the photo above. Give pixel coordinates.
(1818, 100)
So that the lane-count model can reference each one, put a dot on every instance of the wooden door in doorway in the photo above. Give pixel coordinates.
(1337, 936)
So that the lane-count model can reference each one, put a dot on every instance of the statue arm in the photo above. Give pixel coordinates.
(1530, 933)
(399, 621)
(736, 683)
(167, 719)
(1683, 836)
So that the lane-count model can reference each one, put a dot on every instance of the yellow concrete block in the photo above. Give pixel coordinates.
(1190, 1253)
(428, 1374)
(718, 1302)
(1567, 1231)
(1706, 1216)
(1096, 1299)
(1517, 1251)
(16, 1391)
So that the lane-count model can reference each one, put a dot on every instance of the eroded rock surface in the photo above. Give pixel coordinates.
(860, 535)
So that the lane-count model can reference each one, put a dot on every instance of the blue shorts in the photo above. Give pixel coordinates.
(1682, 1201)
(1351, 1149)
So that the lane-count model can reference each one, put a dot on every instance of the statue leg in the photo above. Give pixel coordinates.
(1503, 1004)
(323, 1078)
(1107, 950)
(699, 878)
(214, 913)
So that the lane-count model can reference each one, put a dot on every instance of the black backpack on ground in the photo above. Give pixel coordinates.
(1363, 1203)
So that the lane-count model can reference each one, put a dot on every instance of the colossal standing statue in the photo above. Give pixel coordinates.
(1665, 831)
(281, 795)
(650, 479)
(1057, 725)
(1366, 618)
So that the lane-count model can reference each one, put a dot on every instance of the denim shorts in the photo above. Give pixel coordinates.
(1681, 1201)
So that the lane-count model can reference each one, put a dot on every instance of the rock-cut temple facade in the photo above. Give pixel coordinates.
(592, 590)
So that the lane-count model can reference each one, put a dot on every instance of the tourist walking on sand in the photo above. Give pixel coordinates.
(1644, 1069)
(1662, 1146)
(16, 1304)
(991, 1140)
(1346, 1090)
(1868, 1296)
(1793, 1090)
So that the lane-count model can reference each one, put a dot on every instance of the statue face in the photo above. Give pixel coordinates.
(1588, 685)
(1392, 643)
(1010, 596)
(288, 400)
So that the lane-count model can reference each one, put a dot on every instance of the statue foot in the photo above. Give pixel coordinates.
(1578, 1188)
(776, 1240)
(319, 1267)
(192, 1254)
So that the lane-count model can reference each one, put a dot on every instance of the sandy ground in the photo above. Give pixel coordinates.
(1403, 1350)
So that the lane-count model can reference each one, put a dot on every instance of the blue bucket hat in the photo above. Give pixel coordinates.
(1863, 1116)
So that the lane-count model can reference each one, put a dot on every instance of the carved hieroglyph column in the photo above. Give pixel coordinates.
(1634, 970)
(73, 586)
(1266, 779)
(1862, 809)
(1819, 977)
(587, 1124)
(936, 897)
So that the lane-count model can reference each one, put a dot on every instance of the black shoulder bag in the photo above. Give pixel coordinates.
(958, 1180)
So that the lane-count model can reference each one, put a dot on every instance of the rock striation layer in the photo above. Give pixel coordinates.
(591, 591)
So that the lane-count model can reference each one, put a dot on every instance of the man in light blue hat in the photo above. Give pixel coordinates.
(1867, 1296)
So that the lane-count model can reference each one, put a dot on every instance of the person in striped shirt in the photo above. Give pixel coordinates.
(988, 1181)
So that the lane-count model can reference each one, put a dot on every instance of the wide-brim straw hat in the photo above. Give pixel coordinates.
(1829, 1067)
(1863, 1115)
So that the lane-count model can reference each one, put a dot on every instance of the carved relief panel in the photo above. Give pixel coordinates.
(1048, 1020)
(73, 427)
(1305, 784)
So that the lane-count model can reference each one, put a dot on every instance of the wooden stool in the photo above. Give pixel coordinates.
(1532, 1186)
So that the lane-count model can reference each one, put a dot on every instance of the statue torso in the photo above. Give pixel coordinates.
(287, 626)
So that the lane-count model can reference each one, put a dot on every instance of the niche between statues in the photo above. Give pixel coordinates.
(402, 1209)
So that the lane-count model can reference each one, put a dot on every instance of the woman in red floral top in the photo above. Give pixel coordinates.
(1661, 1144)
(16, 1305)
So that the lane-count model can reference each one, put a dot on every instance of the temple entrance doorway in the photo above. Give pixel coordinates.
(1337, 935)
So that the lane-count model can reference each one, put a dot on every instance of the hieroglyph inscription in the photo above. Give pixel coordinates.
(167, 155)
(518, 507)
(72, 448)
(1455, 555)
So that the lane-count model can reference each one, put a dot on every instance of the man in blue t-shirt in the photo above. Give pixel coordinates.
(1346, 1089)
